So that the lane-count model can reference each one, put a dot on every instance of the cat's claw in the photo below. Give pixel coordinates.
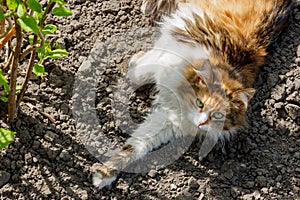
(133, 60)
(100, 182)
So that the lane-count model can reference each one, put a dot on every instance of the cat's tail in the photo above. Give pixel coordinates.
(157, 8)
(275, 22)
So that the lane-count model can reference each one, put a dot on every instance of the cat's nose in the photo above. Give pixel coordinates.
(203, 123)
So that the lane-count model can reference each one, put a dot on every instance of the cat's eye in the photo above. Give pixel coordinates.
(199, 103)
(217, 115)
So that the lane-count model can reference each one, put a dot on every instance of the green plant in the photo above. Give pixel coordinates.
(6, 137)
(25, 22)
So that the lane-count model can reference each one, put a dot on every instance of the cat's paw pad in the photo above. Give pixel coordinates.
(100, 181)
(133, 60)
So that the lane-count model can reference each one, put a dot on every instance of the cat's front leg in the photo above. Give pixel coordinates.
(107, 173)
(103, 176)
(149, 135)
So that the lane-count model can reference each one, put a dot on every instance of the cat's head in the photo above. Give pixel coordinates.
(219, 100)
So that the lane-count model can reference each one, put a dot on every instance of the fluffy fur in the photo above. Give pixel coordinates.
(204, 65)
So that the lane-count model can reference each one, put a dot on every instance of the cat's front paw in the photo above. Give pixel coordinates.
(100, 181)
(102, 175)
(133, 60)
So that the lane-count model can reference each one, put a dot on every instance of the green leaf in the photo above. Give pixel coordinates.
(4, 82)
(1, 15)
(38, 69)
(49, 29)
(34, 5)
(30, 37)
(38, 16)
(60, 2)
(28, 23)
(12, 4)
(57, 53)
(44, 50)
(18, 89)
(40, 53)
(61, 11)
(4, 99)
(6, 137)
(57, 46)
(21, 11)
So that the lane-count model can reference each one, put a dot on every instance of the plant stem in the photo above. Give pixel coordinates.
(4, 31)
(34, 46)
(10, 58)
(28, 73)
(47, 11)
(2, 27)
(7, 37)
(33, 54)
(13, 75)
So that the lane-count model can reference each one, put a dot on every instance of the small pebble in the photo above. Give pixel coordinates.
(173, 187)
(192, 183)
(152, 173)
(4, 178)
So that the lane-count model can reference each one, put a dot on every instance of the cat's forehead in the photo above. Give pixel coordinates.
(212, 98)
(219, 83)
(212, 88)
(214, 101)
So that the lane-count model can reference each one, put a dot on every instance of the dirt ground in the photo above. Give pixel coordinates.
(52, 160)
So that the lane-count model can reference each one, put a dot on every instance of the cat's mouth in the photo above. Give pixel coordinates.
(203, 127)
(203, 123)
(210, 124)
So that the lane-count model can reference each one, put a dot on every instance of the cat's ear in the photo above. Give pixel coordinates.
(204, 72)
(242, 97)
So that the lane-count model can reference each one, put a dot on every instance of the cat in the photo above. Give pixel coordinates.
(204, 64)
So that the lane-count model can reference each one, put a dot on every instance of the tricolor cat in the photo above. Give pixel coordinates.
(206, 59)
